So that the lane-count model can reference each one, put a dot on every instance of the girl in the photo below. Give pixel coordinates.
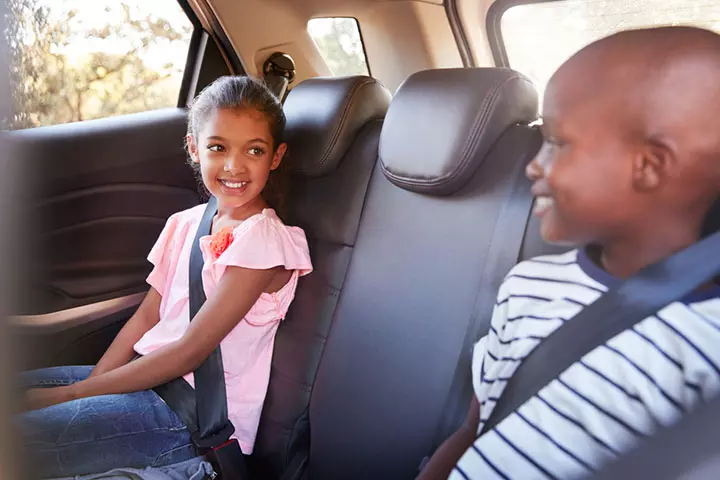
(100, 418)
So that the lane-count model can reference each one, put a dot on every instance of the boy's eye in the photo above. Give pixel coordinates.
(554, 142)
(216, 147)
(256, 151)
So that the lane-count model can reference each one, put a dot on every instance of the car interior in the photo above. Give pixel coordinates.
(407, 177)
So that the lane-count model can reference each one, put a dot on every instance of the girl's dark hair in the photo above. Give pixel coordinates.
(244, 93)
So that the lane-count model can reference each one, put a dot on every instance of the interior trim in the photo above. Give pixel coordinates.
(463, 45)
(73, 317)
(192, 66)
(218, 34)
(493, 25)
(136, 188)
(193, 57)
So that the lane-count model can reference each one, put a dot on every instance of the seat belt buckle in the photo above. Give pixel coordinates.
(213, 440)
(228, 461)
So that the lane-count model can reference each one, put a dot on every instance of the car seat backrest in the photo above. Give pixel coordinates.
(333, 126)
(406, 318)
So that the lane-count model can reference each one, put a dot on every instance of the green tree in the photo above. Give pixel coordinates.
(341, 47)
(50, 87)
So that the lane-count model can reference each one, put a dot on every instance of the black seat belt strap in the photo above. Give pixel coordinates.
(637, 298)
(204, 409)
(210, 393)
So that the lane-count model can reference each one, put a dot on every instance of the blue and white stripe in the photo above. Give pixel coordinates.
(618, 394)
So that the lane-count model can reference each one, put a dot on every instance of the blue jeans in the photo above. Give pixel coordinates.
(96, 434)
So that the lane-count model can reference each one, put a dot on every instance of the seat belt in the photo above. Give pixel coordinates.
(635, 299)
(278, 74)
(503, 254)
(204, 409)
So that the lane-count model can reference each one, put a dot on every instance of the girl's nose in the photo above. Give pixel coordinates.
(234, 164)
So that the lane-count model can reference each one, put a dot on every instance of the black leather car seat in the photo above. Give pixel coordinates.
(406, 318)
(333, 126)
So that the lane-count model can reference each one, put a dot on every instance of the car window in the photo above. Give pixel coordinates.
(75, 60)
(539, 37)
(340, 44)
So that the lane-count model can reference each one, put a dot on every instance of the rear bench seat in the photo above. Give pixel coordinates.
(399, 245)
(405, 319)
(333, 127)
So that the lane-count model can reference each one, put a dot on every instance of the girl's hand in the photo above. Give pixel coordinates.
(37, 398)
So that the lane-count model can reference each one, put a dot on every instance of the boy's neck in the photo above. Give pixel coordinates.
(623, 258)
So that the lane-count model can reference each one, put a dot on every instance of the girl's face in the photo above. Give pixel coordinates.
(236, 153)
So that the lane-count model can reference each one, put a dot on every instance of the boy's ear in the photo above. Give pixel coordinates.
(192, 148)
(651, 165)
(278, 156)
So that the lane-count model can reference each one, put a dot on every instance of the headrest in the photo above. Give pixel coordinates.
(442, 123)
(324, 115)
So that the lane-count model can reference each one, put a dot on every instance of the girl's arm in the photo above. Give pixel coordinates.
(121, 350)
(237, 292)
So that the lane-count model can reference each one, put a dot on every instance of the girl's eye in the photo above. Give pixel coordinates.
(216, 148)
(256, 151)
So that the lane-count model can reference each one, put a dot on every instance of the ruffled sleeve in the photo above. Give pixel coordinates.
(161, 255)
(264, 242)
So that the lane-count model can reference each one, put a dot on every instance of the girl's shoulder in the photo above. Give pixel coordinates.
(267, 223)
(264, 240)
(190, 215)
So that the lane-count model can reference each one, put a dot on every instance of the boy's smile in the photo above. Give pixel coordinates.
(628, 161)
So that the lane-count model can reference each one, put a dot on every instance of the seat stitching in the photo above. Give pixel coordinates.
(475, 134)
(484, 111)
(349, 101)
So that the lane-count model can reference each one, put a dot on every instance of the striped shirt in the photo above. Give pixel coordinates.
(620, 392)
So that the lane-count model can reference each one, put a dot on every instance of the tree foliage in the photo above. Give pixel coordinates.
(69, 65)
(341, 47)
(53, 86)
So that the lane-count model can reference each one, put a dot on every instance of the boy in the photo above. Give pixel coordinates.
(630, 168)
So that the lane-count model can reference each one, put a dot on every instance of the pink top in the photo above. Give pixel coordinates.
(262, 241)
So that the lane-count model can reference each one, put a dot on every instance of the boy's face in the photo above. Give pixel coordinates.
(583, 174)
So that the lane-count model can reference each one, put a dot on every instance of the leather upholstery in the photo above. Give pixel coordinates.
(406, 317)
(365, 368)
(324, 115)
(328, 208)
(442, 123)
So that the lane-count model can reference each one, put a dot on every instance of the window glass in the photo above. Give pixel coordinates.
(74, 60)
(340, 44)
(539, 37)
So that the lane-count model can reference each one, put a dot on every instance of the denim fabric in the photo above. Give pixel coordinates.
(97, 434)
(193, 469)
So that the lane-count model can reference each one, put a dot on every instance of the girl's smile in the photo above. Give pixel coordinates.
(236, 153)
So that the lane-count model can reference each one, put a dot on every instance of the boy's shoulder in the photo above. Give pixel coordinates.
(549, 277)
(544, 264)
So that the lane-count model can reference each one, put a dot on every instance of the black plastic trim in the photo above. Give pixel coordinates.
(223, 43)
(461, 39)
(190, 13)
(494, 28)
(195, 55)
